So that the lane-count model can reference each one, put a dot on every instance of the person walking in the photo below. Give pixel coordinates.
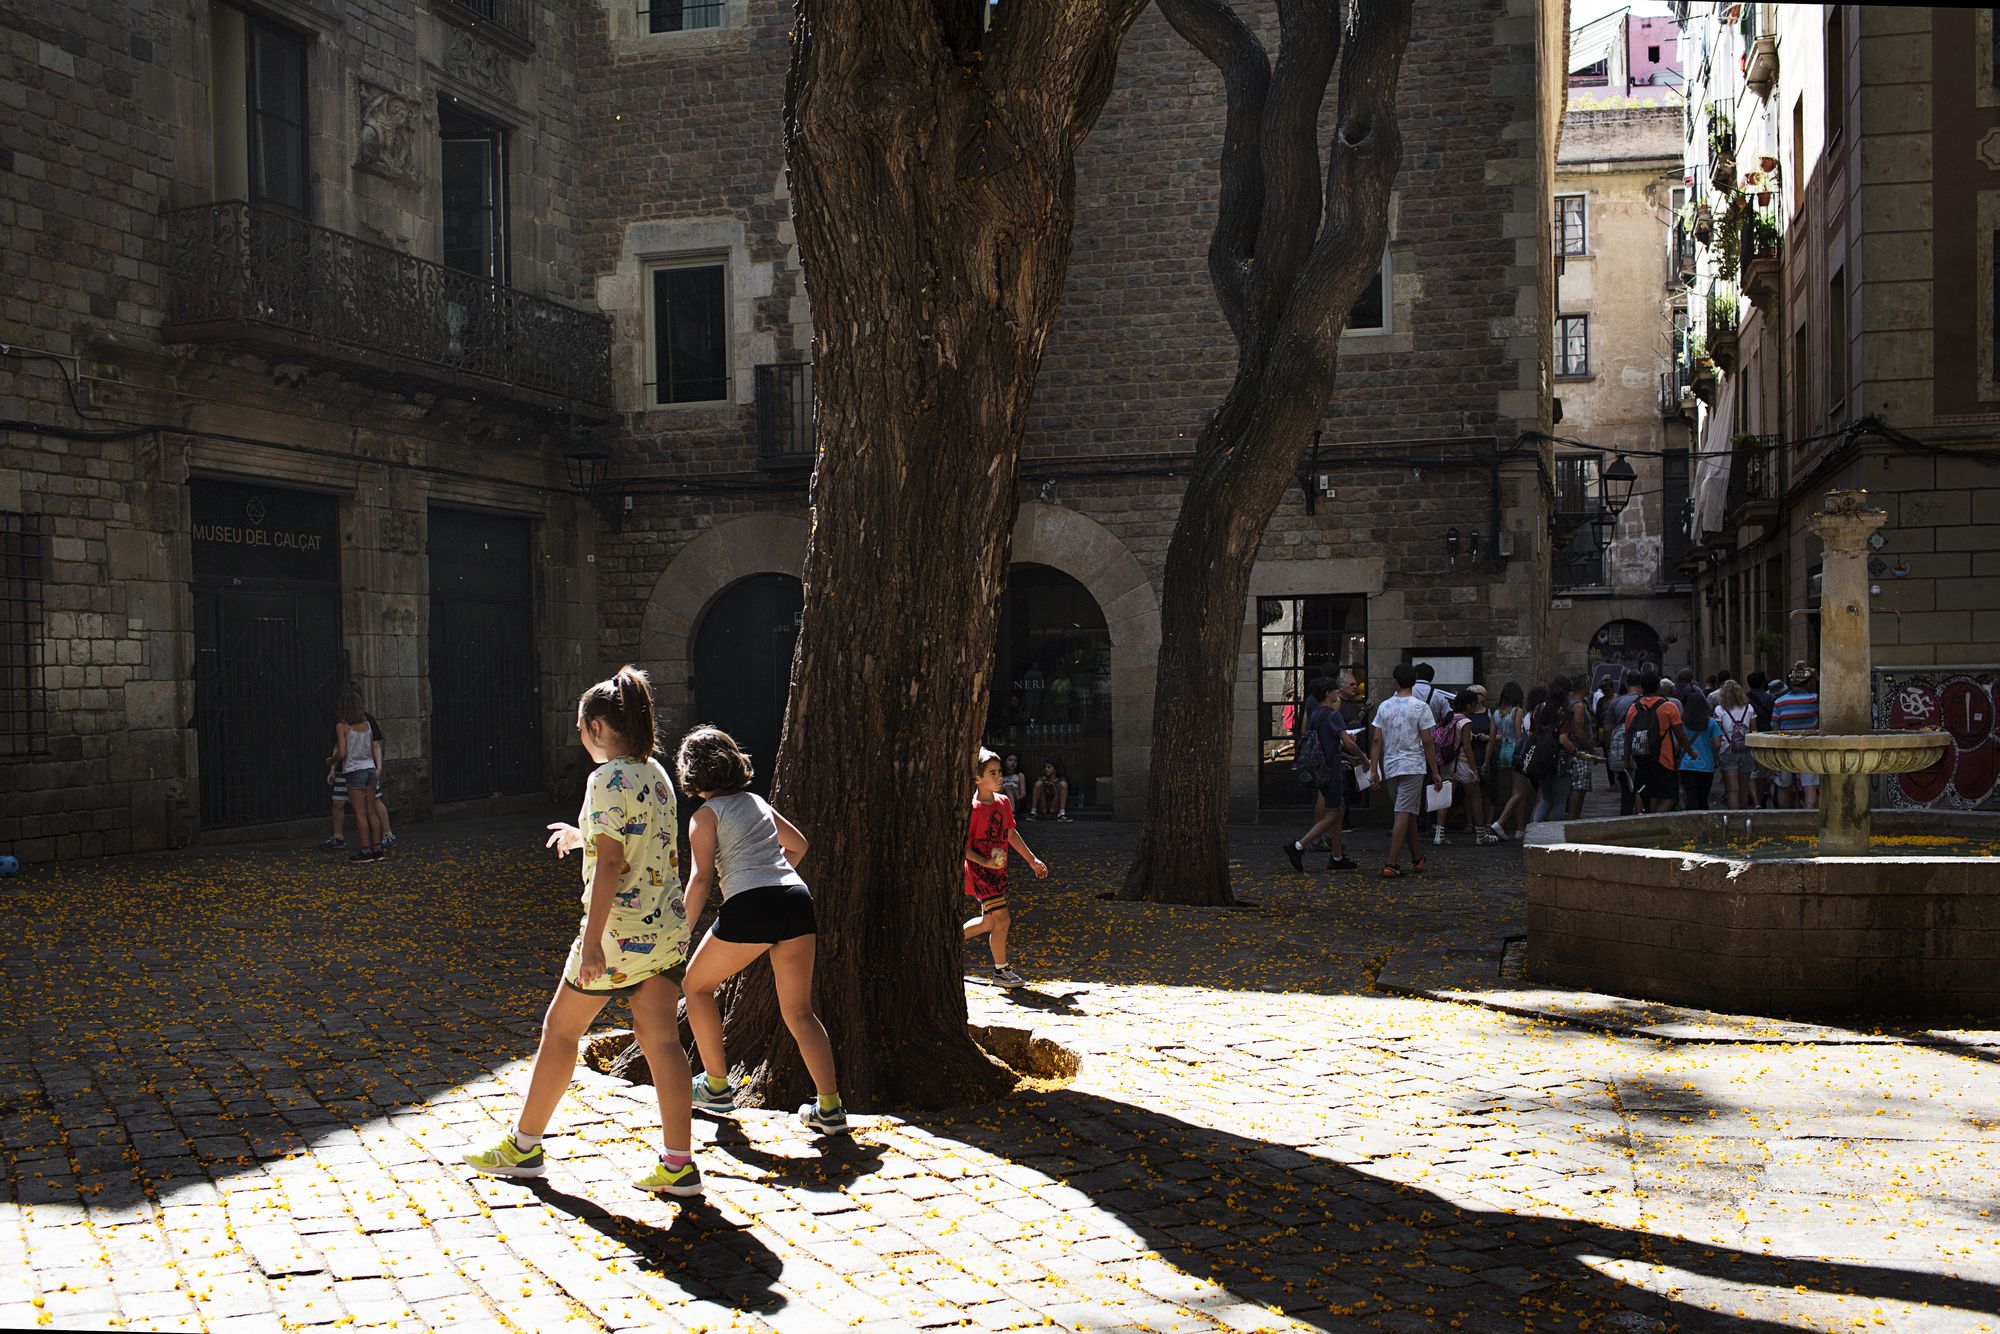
(1736, 718)
(1654, 737)
(1611, 720)
(991, 833)
(741, 849)
(1402, 755)
(1763, 696)
(1325, 728)
(1697, 766)
(1585, 755)
(631, 944)
(1510, 725)
(1797, 710)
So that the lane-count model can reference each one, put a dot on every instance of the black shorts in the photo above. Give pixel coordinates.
(767, 915)
(1654, 780)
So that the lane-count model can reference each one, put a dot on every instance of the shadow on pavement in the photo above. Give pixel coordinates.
(1334, 1247)
(736, 1268)
(838, 1159)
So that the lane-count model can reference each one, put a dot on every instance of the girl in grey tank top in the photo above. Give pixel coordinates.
(746, 854)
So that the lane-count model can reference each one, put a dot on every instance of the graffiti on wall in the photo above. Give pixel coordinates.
(1960, 701)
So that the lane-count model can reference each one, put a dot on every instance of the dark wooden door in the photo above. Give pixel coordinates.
(486, 735)
(743, 665)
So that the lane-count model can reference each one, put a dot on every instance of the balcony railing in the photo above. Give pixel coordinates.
(785, 415)
(241, 274)
(1684, 258)
(1676, 396)
(508, 24)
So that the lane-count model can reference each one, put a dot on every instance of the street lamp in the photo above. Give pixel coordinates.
(1601, 528)
(586, 461)
(1614, 486)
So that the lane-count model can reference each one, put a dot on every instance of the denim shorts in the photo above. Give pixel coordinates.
(1734, 762)
(361, 779)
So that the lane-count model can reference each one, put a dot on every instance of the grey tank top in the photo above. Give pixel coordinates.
(747, 854)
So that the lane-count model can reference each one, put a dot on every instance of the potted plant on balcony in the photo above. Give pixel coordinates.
(1722, 329)
(1702, 376)
(1760, 260)
(1721, 150)
(1704, 222)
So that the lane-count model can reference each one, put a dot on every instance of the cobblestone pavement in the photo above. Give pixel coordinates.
(234, 1087)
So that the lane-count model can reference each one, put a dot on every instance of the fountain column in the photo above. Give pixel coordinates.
(1846, 661)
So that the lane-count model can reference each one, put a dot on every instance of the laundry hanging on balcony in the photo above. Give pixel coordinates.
(1711, 475)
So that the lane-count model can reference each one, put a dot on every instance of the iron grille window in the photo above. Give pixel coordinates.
(475, 195)
(690, 334)
(24, 719)
(275, 86)
(1573, 346)
(1569, 225)
(681, 15)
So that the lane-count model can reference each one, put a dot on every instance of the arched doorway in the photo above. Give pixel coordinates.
(1052, 682)
(1623, 646)
(743, 664)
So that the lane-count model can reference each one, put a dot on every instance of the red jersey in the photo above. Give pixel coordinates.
(992, 821)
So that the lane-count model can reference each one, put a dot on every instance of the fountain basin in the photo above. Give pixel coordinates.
(1864, 753)
(1683, 907)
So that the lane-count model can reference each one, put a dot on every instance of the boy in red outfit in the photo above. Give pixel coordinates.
(986, 844)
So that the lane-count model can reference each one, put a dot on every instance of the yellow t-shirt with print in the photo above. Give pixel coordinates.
(632, 801)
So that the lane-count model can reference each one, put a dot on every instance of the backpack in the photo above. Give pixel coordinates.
(1535, 756)
(1735, 727)
(1643, 740)
(1444, 738)
(1313, 768)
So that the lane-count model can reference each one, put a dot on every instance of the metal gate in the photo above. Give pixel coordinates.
(268, 658)
(486, 733)
(743, 665)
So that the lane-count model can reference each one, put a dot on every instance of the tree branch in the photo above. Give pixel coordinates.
(1213, 28)
(1309, 39)
(1362, 164)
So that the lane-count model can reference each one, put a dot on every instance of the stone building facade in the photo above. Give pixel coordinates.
(1619, 595)
(294, 348)
(414, 335)
(1426, 534)
(1863, 351)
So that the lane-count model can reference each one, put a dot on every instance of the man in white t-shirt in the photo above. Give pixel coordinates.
(1438, 700)
(1402, 754)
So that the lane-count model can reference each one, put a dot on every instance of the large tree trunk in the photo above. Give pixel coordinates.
(932, 174)
(1290, 255)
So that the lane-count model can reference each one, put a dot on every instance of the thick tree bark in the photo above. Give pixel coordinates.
(1290, 254)
(932, 172)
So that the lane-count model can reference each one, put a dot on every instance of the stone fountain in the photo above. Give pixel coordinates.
(1845, 751)
(1898, 913)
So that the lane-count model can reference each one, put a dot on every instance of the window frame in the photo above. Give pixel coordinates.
(719, 9)
(253, 134)
(1836, 341)
(1388, 324)
(1833, 82)
(1297, 665)
(1562, 344)
(24, 705)
(652, 272)
(500, 226)
(1582, 247)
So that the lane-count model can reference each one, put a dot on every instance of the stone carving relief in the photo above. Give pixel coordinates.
(1989, 149)
(401, 531)
(387, 139)
(476, 63)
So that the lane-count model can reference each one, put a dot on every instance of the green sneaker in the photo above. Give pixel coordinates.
(508, 1159)
(707, 1099)
(664, 1180)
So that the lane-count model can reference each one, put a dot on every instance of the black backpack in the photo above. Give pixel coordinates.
(1535, 757)
(1642, 740)
(1313, 768)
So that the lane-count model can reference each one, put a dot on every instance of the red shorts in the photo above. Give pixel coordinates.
(990, 890)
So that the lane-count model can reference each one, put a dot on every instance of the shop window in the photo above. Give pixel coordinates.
(24, 719)
(1051, 699)
(689, 328)
(1301, 638)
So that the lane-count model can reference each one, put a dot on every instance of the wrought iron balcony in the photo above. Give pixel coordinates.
(1684, 258)
(1676, 395)
(254, 277)
(1754, 494)
(785, 415)
(508, 24)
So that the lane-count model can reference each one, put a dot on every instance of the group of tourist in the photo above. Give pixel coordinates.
(1493, 768)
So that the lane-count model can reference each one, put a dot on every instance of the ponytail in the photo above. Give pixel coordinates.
(624, 704)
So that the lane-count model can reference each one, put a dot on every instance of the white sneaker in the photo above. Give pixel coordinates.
(1437, 836)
